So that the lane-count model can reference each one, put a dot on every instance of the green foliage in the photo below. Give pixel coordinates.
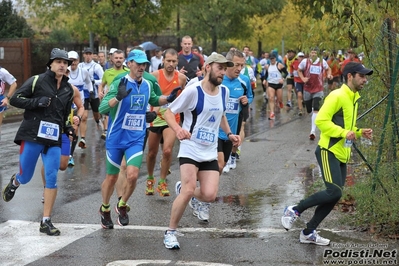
(59, 36)
(315, 9)
(223, 19)
(13, 25)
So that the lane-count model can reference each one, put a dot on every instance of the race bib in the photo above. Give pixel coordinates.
(315, 70)
(205, 136)
(133, 122)
(273, 75)
(232, 106)
(48, 130)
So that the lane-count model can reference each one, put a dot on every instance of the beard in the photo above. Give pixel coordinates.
(214, 80)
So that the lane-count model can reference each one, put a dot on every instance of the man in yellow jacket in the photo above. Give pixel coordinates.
(337, 123)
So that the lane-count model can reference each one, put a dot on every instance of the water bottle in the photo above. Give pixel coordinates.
(348, 143)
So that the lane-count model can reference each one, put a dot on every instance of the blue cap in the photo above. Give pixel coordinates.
(137, 56)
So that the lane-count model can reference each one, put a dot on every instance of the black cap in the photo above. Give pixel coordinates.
(57, 53)
(355, 67)
(272, 55)
(88, 50)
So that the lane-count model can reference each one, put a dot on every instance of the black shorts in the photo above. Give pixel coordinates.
(290, 81)
(244, 114)
(202, 166)
(158, 130)
(275, 86)
(94, 103)
(225, 146)
(334, 79)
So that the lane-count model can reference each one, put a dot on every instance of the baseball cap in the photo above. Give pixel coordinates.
(88, 50)
(272, 55)
(300, 54)
(112, 50)
(355, 67)
(73, 55)
(137, 56)
(339, 52)
(218, 58)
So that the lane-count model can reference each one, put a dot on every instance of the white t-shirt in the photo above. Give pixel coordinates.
(202, 147)
(5, 77)
(302, 64)
(155, 62)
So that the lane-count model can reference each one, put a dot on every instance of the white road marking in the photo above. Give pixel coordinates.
(163, 262)
(24, 239)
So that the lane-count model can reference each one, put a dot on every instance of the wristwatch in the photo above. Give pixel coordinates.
(230, 133)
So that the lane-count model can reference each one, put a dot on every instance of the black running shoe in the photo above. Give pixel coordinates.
(48, 228)
(9, 190)
(106, 221)
(123, 218)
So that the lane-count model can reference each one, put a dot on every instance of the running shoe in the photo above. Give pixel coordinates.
(194, 203)
(289, 104)
(281, 105)
(289, 217)
(203, 211)
(313, 238)
(312, 135)
(300, 113)
(106, 221)
(232, 162)
(48, 228)
(178, 187)
(123, 217)
(71, 162)
(272, 116)
(43, 198)
(103, 136)
(163, 190)
(9, 190)
(170, 240)
(149, 190)
(127, 205)
(226, 168)
(82, 143)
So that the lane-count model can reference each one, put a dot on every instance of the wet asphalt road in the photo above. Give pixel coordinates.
(244, 227)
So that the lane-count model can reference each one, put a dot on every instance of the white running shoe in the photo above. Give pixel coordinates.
(289, 217)
(194, 204)
(313, 238)
(170, 240)
(178, 187)
(203, 211)
(226, 168)
(232, 162)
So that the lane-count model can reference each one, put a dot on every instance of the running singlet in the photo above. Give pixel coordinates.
(166, 88)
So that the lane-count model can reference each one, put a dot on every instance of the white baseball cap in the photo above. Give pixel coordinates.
(300, 54)
(339, 52)
(73, 55)
(112, 50)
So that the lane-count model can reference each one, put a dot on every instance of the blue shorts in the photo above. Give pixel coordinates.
(2, 108)
(65, 145)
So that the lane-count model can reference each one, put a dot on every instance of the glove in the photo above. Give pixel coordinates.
(92, 95)
(43, 102)
(172, 96)
(150, 116)
(122, 92)
(69, 130)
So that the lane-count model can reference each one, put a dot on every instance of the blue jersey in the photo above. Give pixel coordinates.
(237, 87)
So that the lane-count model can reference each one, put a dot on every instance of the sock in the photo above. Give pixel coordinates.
(97, 121)
(170, 230)
(82, 137)
(119, 198)
(121, 203)
(161, 181)
(45, 218)
(73, 145)
(307, 231)
(105, 207)
(14, 184)
(233, 154)
(313, 122)
(150, 177)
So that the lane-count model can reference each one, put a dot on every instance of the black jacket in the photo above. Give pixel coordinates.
(27, 96)
(191, 67)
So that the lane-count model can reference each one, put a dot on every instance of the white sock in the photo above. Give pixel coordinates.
(313, 122)
(45, 218)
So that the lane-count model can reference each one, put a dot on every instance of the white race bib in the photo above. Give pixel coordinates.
(315, 70)
(273, 75)
(232, 106)
(205, 136)
(48, 130)
(133, 122)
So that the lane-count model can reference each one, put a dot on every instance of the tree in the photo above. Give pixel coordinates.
(13, 25)
(223, 19)
(111, 20)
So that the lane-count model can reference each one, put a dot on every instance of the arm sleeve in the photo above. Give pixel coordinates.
(22, 98)
(87, 80)
(324, 121)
